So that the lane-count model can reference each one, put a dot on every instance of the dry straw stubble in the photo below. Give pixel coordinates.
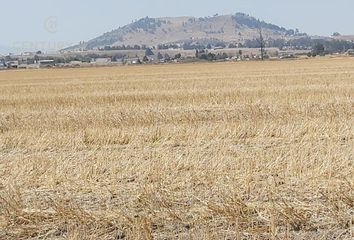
(192, 151)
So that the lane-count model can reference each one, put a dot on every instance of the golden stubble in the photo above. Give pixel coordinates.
(253, 150)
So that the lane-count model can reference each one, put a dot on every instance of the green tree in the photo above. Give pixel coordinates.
(159, 56)
(261, 42)
(149, 52)
(318, 49)
(167, 57)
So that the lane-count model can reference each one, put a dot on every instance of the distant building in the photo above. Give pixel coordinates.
(350, 52)
(12, 64)
(46, 63)
(101, 60)
(32, 66)
(76, 63)
(22, 66)
(133, 61)
(27, 54)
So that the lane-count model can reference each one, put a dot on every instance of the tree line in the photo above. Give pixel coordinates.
(304, 43)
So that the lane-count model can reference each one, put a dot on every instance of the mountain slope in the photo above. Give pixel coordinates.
(153, 31)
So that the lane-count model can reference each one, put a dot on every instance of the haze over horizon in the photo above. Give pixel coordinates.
(51, 25)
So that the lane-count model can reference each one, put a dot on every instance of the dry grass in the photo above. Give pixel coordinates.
(201, 151)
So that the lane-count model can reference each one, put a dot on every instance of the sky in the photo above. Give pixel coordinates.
(54, 24)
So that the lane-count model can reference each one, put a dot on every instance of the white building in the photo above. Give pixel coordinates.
(101, 60)
(12, 64)
(350, 52)
(76, 63)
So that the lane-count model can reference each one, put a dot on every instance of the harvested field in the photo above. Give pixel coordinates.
(249, 150)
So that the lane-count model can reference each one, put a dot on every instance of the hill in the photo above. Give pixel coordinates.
(226, 29)
(344, 37)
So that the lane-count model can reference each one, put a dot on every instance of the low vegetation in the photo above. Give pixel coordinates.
(248, 150)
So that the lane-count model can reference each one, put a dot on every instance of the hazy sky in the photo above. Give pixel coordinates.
(49, 24)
